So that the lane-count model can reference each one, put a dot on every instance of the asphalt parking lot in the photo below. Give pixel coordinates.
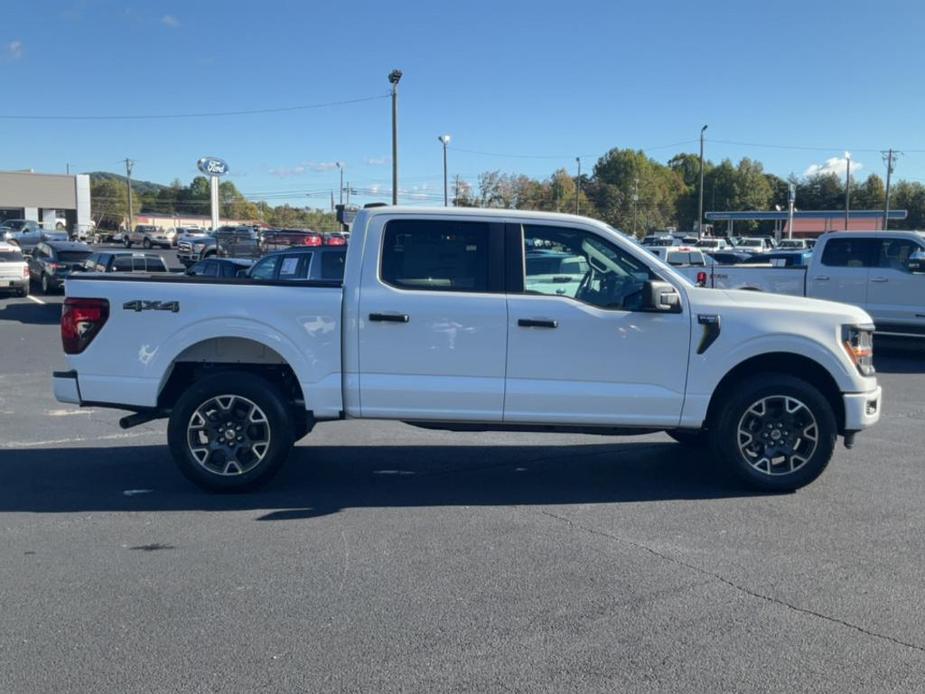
(387, 558)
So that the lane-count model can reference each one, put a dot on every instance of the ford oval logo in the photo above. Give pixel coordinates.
(212, 166)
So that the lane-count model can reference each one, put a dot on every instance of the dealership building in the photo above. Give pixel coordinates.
(50, 199)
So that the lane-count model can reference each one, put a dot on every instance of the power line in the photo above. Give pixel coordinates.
(210, 114)
(802, 147)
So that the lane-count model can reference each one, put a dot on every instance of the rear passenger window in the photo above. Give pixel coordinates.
(123, 263)
(848, 252)
(436, 255)
(295, 267)
(332, 265)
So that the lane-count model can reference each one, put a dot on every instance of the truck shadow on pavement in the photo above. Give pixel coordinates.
(320, 480)
(32, 314)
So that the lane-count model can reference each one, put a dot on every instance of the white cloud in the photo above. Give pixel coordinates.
(15, 50)
(378, 161)
(287, 171)
(834, 165)
(303, 168)
(321, 165)
(169, 21)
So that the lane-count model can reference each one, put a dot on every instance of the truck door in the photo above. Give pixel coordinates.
(432, 320)
(588, 354)
(842, 271)
(896, 296)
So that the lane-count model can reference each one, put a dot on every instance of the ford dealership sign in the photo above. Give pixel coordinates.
(212, 166)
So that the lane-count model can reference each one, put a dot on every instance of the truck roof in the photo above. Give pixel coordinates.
(471, 212)
(888, 233)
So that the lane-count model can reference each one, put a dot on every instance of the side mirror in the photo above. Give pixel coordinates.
(916, 262)
(660, 297)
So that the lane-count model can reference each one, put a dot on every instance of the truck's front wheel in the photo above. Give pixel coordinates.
(775, 432)
(230, 432)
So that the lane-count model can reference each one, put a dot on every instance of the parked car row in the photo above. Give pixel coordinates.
(745, 244)
(883, 272)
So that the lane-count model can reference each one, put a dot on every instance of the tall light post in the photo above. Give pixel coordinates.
(128, 181)
(700, 203)
(394, 78)
(445, 139)
(847, 187)
(578, 187)
(340, 166)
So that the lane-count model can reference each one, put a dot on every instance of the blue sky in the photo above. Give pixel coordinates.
(532, 83)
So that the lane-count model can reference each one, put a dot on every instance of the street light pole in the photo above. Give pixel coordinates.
(341, 167)
(700, 204)
(445, 139)
(578, 187)
(394, 78)
(635, 202)
(128, 180)
(847, 187)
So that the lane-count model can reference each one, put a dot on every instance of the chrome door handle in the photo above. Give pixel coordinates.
(879, 279)
(532, 323)
(821, 278)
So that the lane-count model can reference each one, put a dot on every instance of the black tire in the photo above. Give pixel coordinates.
(126, 242)
(46, 285)
(146, 243)
(276, 426)
(739, 431)
(689, 437)
(24, 292)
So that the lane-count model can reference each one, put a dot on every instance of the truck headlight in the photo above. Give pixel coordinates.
(858, 341)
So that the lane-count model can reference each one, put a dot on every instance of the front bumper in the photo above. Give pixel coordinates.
(862, 410)
(65, 387)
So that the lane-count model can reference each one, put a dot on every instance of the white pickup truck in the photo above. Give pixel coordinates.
(441, 322)
(883, 272)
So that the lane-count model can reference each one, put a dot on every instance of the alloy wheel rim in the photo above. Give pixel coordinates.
(228, 435)
(777, 435)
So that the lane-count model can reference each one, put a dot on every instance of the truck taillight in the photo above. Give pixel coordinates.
(25, 272)
(701, 279)
(81, 321)
(335, 241)
(311, 240)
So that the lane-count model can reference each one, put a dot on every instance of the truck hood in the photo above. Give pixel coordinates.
(740, 299)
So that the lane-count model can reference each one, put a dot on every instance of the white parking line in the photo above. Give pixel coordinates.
(36, 300)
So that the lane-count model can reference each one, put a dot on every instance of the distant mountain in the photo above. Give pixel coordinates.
(140, 187)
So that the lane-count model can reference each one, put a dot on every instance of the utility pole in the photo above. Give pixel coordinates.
(635, 201)
(445, 139)
(332, 201)
(67, 168)
(847, 187)
(340, 166)
(700, 204)
(128, 180)
(791, 199)
(394, 78)
(578, 187)
(890, 157)
(456, 192)
(348, 193)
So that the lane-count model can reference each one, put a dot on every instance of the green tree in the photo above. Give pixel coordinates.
(909, 196)
(109, 203)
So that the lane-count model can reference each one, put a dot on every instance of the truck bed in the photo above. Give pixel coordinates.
(159, 319)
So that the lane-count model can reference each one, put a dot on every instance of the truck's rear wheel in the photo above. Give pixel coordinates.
(230, 432)
(775, 432)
